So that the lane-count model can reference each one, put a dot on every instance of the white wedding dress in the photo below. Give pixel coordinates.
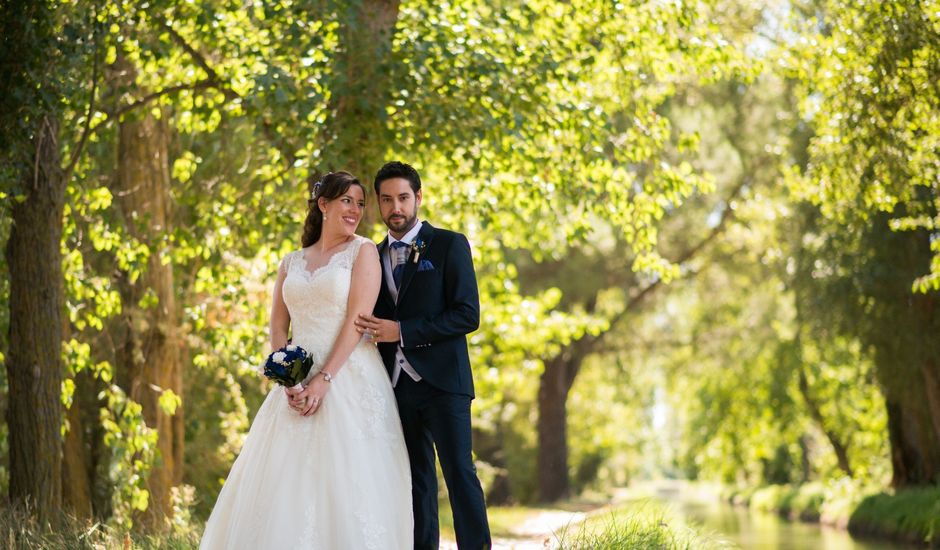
(338, 479)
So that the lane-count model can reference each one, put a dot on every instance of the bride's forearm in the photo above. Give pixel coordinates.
(278, 329)
(280, 315)
(278, 339)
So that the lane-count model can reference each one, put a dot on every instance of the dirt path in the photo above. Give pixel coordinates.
(535, 533)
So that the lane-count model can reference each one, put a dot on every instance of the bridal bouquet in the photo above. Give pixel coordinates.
(288, 366)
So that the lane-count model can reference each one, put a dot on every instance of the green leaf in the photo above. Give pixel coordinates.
(169, 402)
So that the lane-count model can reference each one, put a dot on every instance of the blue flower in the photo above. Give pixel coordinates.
(417, 248)
(288, 366)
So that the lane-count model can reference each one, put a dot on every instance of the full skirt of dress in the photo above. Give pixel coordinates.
(339, 479)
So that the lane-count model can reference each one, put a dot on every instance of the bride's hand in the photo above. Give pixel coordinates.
(311, 398)
(293, 399)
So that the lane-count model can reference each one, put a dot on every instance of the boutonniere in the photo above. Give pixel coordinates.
(417, 248)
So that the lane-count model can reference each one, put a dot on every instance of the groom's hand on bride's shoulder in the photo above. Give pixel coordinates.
(378, 330)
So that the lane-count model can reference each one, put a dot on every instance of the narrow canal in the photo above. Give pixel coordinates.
(751, 529)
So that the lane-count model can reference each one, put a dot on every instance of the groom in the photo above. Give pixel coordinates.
(427, 305)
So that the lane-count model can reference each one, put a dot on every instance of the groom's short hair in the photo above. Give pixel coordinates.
(396, 169)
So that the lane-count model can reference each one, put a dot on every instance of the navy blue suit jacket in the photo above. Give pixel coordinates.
(438, 305)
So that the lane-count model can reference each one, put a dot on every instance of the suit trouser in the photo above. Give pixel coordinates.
(435, 418)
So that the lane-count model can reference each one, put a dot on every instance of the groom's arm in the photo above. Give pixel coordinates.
(461, 315)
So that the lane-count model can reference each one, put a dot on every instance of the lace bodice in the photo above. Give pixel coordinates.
(317, 299)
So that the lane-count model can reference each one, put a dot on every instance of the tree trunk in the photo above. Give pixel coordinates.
(149, 360)
(357, 133)
(930, 370)
(552, 458)
(34, 365)
(76, 477)
(926, 307)
(840, 448)
(805, 464)
(179, 425)
(76, 483)
(915, 451)
(99, 454)
(908, 360)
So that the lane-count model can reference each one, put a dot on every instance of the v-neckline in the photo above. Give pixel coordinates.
(311, 273)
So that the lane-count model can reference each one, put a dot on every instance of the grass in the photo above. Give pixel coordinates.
(638, 524)
(19, 531)
(912, 515)
(446, 520)
(633, 525)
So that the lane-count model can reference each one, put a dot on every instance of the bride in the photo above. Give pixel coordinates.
(327, 467)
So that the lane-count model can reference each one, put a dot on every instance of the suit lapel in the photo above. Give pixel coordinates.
(411, 267)
(383, 245)
(385, 292)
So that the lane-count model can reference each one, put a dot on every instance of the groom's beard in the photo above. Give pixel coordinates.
(402, 224)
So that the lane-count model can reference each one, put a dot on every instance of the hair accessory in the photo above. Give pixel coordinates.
(316, 189)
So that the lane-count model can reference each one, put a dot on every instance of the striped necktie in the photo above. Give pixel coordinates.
(399, 255)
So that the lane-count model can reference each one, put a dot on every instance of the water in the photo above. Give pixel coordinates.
(755, 530)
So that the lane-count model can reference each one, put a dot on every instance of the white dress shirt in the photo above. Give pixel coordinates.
(401, 364)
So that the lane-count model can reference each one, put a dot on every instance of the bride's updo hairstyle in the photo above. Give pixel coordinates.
(331, 186)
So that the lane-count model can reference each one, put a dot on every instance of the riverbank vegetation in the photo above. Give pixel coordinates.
(908, 515)
(912, 515)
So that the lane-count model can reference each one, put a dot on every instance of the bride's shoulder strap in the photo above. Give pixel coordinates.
(352, 250)
(289, 259)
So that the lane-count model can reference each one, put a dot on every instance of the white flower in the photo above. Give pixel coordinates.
(291, 347)
(278, 358)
